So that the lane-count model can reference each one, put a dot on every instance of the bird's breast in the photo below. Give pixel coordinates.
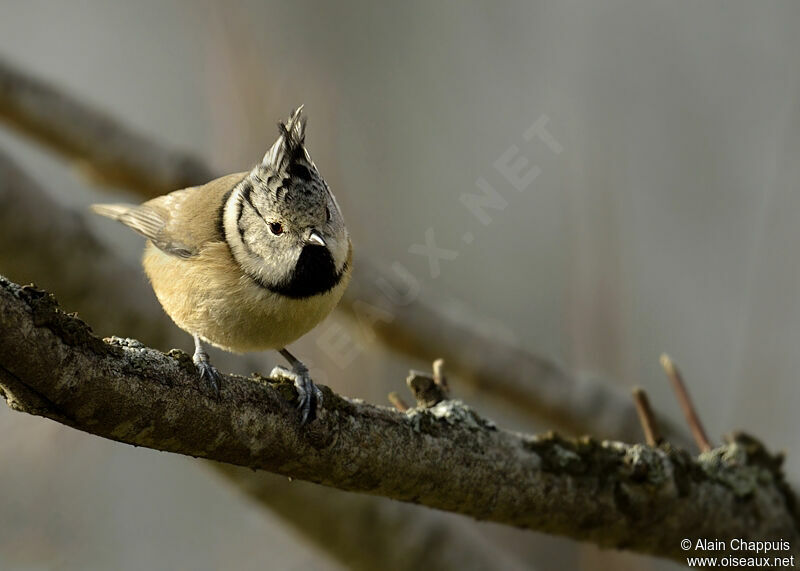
(210, 296)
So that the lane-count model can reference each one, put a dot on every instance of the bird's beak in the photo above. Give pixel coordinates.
(315, 239)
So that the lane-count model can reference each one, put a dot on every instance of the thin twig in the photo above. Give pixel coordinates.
(398, 402)
(438, 375)
(646, 417)
(692, 418)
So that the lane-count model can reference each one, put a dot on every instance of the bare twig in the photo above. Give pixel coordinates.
(448, 458)
(646, 417)
(398, 402)
(523, 380)
(438, 375)
(692, 419)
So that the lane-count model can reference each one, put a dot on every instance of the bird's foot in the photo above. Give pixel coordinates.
(307, 392)
(208, 373)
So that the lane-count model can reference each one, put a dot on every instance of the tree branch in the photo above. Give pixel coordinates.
(107, 150)
(114, 154)
(446, 457)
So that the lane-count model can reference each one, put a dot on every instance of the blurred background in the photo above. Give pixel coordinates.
(667, 222)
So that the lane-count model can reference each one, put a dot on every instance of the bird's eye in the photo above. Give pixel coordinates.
(327, 214)
(276, 228)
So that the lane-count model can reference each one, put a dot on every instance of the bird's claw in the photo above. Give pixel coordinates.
(209, 375)
(308, 395)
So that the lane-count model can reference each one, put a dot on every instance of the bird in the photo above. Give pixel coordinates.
(250, 261)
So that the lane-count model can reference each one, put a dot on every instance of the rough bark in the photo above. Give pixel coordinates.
(444, 457)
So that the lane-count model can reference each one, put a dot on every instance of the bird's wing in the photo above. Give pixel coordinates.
(150, 223)
(181, 222)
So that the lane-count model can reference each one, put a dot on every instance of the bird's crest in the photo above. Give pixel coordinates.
(290, 145)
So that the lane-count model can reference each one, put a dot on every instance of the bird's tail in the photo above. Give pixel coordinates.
(113, 211)
(143, 219)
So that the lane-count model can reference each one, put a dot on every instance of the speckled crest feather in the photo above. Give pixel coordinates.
(290, 145)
